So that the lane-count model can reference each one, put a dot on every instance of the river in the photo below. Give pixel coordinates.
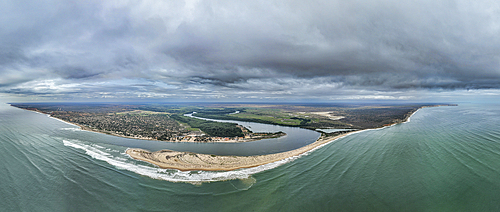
(445, 159)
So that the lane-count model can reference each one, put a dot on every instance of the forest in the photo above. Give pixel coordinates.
(167, 121)
(212, 128)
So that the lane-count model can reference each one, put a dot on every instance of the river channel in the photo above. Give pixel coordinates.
(295, 138)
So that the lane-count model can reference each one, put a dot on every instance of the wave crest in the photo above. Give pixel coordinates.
(123, 161)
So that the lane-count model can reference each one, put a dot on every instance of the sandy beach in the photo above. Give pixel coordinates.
(187, 161)
(185, 139)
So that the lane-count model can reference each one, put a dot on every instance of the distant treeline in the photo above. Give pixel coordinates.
(224, 116)
(358, 118)
(304, 122)
(353, 116)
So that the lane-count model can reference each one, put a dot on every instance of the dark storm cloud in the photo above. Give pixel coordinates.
(225, 49)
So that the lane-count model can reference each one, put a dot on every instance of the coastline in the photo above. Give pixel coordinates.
(81, 126)
(39, 112)
(191, 140)
(187, 161)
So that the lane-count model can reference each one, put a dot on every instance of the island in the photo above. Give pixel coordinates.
(170, 124)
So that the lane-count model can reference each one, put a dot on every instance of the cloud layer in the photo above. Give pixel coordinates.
(252, 49)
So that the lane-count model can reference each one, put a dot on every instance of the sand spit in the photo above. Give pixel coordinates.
(187, 161)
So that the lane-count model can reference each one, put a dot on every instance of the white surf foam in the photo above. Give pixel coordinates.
(71, 129)
(123, 161)
(381, 128)
(62, 120)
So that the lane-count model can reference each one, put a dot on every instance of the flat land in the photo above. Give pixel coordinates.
(187, 161)
(167, 123)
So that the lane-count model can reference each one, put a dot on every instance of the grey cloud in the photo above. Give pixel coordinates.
(226, 48)
(387, 38)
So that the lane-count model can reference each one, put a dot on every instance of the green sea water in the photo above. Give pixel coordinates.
(444, 159)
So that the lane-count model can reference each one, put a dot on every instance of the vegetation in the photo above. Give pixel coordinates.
(212, 128)
(142, 125)
(266, 116)
(347, 117)
(167, 122)
(277, 117)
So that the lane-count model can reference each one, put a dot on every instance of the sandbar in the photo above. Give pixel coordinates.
(188, 161)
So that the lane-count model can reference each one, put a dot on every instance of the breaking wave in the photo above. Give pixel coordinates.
(121, 160)
(71, 129)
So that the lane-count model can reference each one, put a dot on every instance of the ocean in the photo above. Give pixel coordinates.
(443, 159)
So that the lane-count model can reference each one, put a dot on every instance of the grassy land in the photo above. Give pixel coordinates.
(277, 117)
(212, 128)
(163, 121)
(269, 115)
(361, 117)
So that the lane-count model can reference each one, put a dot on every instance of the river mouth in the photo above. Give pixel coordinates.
(295, 138)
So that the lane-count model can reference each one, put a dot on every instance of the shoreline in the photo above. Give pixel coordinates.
(215, 139)
(187, 161)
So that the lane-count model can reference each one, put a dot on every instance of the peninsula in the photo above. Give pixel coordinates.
(168, 123)
(188, 161)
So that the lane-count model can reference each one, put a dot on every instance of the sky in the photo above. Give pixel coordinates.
(332, 50)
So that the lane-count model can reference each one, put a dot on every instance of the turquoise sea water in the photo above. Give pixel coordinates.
(444, 159)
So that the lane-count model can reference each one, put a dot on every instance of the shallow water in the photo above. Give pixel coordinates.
(295, 138)
(445, 159)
